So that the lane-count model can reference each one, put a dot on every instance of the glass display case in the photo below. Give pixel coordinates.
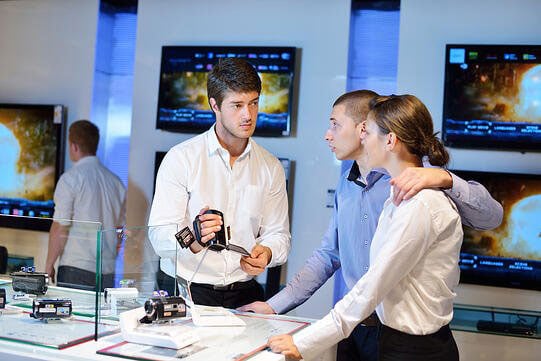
(137, 271)
(38, 312)
(53, 312)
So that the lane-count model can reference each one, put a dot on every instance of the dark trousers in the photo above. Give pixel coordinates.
(399, 346)
(361, 345)
(240, 293)
(166, 283)
(74, 277)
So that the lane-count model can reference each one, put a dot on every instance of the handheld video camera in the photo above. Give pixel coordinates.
(220, 241)
(51, 309)
(159, 309)
(29, 281)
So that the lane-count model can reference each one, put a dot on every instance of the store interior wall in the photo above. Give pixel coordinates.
(42, 62)
(421, 72)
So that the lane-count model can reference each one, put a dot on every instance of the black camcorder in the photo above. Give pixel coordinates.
(160, 309)
(220, 241)
(51, 309)
(29, 281)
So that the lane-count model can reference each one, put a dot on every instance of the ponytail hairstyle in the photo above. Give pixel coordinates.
(408, 118)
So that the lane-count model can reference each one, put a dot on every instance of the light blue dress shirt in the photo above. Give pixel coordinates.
(346, 243)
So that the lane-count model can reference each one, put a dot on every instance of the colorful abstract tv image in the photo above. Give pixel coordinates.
(493, 98)
(30, 162)
(509, 255)
(506, 93)
(187, 92)
(182, 100)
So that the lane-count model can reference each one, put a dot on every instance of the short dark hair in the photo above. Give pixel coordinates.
(86, 135)
(232, 74)
(357, 104)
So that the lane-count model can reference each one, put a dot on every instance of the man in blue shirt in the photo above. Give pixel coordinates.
(358, 202)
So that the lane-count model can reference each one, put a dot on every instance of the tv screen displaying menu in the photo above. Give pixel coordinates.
(182, 99)
(492, 97)
(510, 255)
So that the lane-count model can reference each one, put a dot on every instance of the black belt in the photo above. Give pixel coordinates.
(371, 321)
(236, 286)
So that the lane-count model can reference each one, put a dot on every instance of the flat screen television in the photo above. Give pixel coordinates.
(492, 97)
(182, 99)
(510, 255)
(32, 147)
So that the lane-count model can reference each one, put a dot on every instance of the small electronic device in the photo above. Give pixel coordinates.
(507, 327)
(112, 295)
(160, 309)
(2, 298)
(125, 296)
(220, 240)
(29, 281)
(176, 335)
(51, 309)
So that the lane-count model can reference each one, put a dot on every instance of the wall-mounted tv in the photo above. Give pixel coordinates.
(492, 97)
(182, 98)
(510, 255)
(32, 147)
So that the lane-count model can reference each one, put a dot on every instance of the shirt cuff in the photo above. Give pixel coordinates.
(459, 188)
(314, 339)
(280, 302)
(277, 258)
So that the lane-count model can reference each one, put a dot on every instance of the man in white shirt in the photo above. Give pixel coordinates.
(223, 169)
(94, 197)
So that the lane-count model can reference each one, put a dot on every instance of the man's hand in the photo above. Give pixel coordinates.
(284, 344)
(412, 180)
(258, 260)
(257, 307)
(210, 223)
(51, 272)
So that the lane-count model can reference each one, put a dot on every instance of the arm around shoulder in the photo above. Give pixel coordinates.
(476, 206)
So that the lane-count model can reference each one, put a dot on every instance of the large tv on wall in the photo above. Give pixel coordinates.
(182, 99)
(510, 255)
(492, 97)
(32, 147)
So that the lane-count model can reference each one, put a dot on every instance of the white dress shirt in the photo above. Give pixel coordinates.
(251, 195)
(89, 192)
(413, 272)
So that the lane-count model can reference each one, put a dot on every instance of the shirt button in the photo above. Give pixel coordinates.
(365, 243)
(365, 216)
(366, 268)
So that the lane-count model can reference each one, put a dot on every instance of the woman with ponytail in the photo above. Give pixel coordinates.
(414, 253)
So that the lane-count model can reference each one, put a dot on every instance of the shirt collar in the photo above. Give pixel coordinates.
(214, 145)
(355, 175)
(87, 159)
